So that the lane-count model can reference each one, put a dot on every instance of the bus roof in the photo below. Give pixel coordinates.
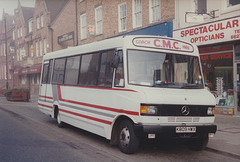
(146, 42)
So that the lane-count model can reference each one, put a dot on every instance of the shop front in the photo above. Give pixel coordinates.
(28, 78)
(219, 48)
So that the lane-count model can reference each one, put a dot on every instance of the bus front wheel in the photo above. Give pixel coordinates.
(128, 142)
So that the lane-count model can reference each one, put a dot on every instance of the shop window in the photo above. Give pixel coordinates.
(237, 52)
(217, 66)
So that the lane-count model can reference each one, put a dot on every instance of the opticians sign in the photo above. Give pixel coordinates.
(162, 43)
(209, 33)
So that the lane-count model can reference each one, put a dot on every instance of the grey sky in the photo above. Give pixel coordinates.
(10, 5)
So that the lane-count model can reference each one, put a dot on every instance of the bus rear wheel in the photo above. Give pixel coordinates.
(60, 124)
(128, 142)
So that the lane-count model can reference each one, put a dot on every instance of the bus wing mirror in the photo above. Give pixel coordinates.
(115, 61)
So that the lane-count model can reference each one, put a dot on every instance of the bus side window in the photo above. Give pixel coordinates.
(119, 73)
(58, 71)
(72, 68)
(89, 69)
(106, 72)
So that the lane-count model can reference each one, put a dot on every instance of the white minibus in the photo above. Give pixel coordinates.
(129, 88)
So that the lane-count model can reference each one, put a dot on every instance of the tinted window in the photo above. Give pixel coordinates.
(72, 68)
(49, 71)
(89, 69)
(45, 73)
(119, 76)
(58, 71)
(106, 71)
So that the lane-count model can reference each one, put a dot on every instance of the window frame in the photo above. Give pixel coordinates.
(152, 11)
(122, 16)
(83, 24)
(99, 20)
(137, 13)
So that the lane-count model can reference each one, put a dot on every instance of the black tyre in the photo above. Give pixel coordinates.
(128, 142)
(198, 144)
(60, 124)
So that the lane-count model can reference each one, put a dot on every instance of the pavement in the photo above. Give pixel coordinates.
(226, 140)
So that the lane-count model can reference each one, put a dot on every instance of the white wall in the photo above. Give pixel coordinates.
(183, 6)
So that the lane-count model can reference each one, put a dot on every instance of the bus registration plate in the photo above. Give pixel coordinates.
(185, 129)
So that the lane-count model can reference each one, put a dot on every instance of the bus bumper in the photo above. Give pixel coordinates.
(179, 131)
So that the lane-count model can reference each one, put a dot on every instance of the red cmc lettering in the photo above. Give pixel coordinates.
(174, 45)
(166, 44)
(155, 43)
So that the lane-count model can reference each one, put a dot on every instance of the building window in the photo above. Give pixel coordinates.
(41, 48)
(155, 11)
(201, 6)
(37, 49)
(30, 26)
(44, 46)
(13, 35)
(83, 23)
(122, 15)
(42, 21)
(137, 13)
(233, 2)
(98, 20)
(38, 23)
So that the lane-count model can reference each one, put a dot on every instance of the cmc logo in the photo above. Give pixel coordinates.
(162, 43)
(166, 44)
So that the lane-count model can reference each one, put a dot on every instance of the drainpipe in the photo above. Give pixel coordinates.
(76, 10)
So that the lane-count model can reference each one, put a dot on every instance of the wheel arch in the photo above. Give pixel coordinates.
(114, 132)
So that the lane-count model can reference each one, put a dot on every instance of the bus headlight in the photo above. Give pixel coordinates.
(148, 110)
(211, 111)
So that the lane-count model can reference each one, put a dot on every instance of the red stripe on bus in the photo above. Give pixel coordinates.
(103, 88)
(45, 105)
(95, 106)
(87, 117)
(46, 97)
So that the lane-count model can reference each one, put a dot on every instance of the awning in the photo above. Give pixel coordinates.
(17, 71)
(34, 69)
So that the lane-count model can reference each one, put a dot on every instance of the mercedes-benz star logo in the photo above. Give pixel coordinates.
(185, 110)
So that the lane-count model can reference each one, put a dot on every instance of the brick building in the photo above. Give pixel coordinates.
(6, 51)
(106, 18)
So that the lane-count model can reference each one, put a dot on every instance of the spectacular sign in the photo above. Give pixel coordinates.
(219, 31)
(161, 43)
